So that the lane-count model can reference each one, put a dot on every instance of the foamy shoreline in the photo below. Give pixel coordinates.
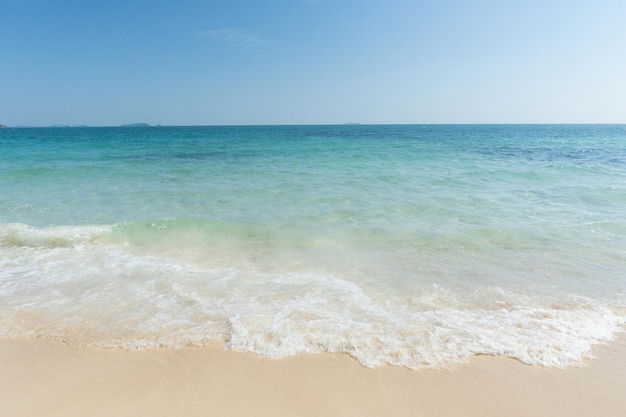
(47, 378)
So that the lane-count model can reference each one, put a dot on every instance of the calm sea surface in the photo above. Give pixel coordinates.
(415, 246)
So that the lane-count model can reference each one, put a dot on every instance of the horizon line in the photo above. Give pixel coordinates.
(139, 125)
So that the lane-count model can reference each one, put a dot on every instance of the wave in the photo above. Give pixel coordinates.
(21, 235)
(115, 286)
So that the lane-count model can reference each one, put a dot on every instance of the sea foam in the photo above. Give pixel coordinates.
(85, 286)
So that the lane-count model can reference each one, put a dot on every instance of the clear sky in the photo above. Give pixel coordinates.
(193, 62)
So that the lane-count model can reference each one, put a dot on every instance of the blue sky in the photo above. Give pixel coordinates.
(192, 62)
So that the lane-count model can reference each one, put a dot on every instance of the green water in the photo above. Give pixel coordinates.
(412, 245)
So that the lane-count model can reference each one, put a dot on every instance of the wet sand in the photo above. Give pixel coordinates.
(49, 378)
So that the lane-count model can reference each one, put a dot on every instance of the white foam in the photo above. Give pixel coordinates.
(17, 234)
(90, 291)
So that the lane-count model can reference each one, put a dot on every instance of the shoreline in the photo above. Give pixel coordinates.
(43, 377)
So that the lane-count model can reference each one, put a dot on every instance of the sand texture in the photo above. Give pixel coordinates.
(48, 378)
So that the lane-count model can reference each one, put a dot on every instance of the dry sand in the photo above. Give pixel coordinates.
(46, 378)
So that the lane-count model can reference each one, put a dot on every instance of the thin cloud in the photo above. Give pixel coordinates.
(238, 37)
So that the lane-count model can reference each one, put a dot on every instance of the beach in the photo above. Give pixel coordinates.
(48, 378)
(312, 208)
(394, 270)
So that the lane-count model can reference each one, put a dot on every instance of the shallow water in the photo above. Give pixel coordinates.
(417, 246)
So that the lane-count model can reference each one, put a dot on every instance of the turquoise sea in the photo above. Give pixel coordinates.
(416, 246)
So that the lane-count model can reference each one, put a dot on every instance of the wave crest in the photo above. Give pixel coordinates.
(21, 235)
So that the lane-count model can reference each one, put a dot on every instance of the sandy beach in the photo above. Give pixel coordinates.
(312, 209)
(48, 378)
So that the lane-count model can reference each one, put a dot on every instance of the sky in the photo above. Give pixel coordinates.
(244, 62)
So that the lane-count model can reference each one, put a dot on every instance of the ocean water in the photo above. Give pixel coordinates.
(415, 246)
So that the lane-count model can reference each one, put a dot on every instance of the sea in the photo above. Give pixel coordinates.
(417, 246)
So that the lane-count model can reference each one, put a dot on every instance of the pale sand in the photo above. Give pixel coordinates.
(46, 378)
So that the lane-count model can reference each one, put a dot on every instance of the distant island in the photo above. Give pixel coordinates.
(80, 126)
